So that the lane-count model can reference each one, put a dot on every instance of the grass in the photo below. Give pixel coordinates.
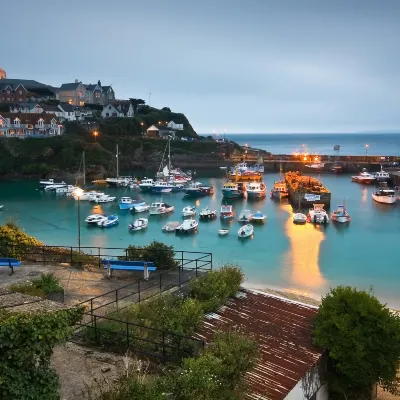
(41, 287)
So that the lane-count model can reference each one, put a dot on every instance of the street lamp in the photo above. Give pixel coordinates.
(95, 134)
(142, 123)
(78, 194)
(366, 151)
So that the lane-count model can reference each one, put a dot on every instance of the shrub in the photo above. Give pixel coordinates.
(161, 255)
(362, 338)
(47, 283)
(214, 288)
(27, 288)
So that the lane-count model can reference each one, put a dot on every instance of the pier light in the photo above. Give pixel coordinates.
(305, 158)
(95, 134)
(316, 159)
(78, 194)
(366, 150)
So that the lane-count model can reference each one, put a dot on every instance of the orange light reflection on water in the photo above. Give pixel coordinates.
(303, 255)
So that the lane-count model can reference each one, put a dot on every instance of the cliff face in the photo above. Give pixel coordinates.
(61, 156)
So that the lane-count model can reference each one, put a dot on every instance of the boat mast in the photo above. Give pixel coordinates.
(117, 163)
(84, 169)
(169, 156)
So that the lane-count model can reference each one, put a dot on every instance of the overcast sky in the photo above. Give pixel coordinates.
(240, 65)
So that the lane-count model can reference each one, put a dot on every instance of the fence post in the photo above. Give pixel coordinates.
(211, 261)
(116, 297)
(44, 256)
(98, 251)
(179, 277)
(139, 290)
(126, 254)
(182, 260)
(196, 267)
(160, 282)
(127, 334)
(70, 255)
(95, 328)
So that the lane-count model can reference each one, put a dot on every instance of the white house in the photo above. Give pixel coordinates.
(110, 111)
(68, 111)
(176, 127)
(153, 131)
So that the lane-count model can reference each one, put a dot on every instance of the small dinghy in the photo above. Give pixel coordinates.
(258, 217)
(299, 218)
(110, 221)
(170, 226)
(189, 211)
(246, 231)
(223, 232)
(138, 224)
(245, 216)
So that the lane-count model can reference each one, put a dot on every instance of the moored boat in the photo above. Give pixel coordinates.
(104, 199)
(187, 226)
(385, 196)
(231, 190)
(245, 216)
(146, 184)
(340, 214)
(382, 176)
(195, 189)
(256, 190)
(138, 224)
(299, 218)
(170, 226)
(279, 190)
(206, 214)
(143, 207)
(109, 222)
(245, 231)
(94, 219)
(126, 203)
(363, 177)
(317, 215)
(189, 211)
(227, 212)
(159, 208)
(223, 232)
(258, 217)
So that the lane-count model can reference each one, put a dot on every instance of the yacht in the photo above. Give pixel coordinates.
(87, 196)
(104, 199)
(187, 226)
(256, 190)
(94, 219)
(55, 186)
(159, 207)
(146, 184)
(166, 186)
(65, 189)
(382, 176)
(385, 196)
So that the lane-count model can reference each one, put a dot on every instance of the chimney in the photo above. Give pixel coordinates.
(76, 81)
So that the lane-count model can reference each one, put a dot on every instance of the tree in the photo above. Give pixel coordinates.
(166, 109)
(136, 103)
(362, 338)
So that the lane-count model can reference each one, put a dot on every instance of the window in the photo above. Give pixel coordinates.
(80, 94)
(20, 92)
(8, 92)
(20, 99)
(1, 122)
(8, 99)
(107, 114)
(109, 107)
(16, 122)
(81, 103)
(40, 123)
(70, 101)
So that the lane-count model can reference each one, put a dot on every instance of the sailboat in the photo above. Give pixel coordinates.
(119, 180)
(298, 217)
(280, 189)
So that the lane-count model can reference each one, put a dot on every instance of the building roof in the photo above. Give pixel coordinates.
(70, 86)
(27, 83)
(91, 87)
(29, 118)
(106, 88)
(50, 107)
(153, 128)
(28, 105)
(283, 330)
(67, 107)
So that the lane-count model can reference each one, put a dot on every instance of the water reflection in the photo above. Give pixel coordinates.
(303, 256)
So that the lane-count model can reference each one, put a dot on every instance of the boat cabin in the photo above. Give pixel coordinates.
(226, 209)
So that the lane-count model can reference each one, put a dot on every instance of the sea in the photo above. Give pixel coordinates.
(305, 259)
(378, 144)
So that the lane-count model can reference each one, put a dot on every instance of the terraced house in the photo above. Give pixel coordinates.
(23, 90)
(26, 125)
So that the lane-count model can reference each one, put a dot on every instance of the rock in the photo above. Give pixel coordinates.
(105, 369)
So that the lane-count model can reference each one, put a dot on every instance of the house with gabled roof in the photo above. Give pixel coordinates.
(111, 111)
(72, 93)
(23, 90)
(25, 125)
(93, 94)
(108, 94)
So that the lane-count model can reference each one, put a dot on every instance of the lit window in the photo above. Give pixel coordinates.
(20, 92)
(70, 101)
(81, 103)
(1, 122)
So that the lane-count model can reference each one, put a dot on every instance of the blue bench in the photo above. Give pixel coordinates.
(146, 266)
(10, 262)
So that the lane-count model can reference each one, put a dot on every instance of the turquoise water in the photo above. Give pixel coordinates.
(305, 258)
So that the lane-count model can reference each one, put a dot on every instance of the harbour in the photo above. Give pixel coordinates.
(306, 259)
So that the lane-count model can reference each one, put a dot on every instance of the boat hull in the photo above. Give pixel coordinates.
(256, 195)
(276, 194)
(384, 199)
(206, 217)
(341, 219)
(125, 206)
(232, 194)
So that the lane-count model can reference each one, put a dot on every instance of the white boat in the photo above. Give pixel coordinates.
(46, 182)
(51, 188)
(256, 190)
(94, 219)
(187, 226)
(385, 196)
(363, 177)
(170, 226)
(245, 216)
(158, 208)
(1, 206)
(246, 231)
(316, 166)
(299, 218)
(65, 189)
(223, 232)
(189, 211)
(382, 176)
(146, 184)
(109, 222)
(206, 213)
(258, 217)
(317, 215)
(340, 215)
(139, 224)
(141, 207)
(104, 199)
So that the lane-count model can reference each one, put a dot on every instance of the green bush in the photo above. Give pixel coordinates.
(161, 255)
(362, 337)
(214, 288)
(48, 283)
